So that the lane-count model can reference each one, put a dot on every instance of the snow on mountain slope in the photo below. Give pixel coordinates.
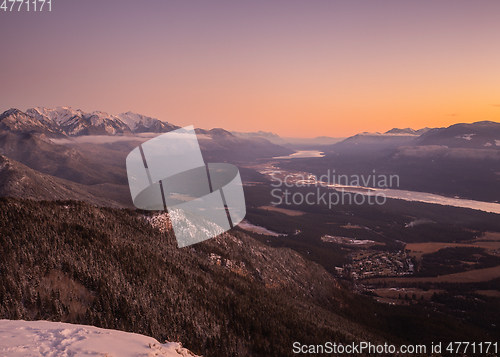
(139, 123)
(407, 131)
(463, 135)
(60, 115)
(76, 122)
(20, 338)
(133, 120)
(15, 120)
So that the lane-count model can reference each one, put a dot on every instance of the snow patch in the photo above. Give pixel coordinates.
(186, 229)
(56, 339)
(465, 136)
(133, 120)
(77, 120)
(60, 115)
(418, 222)
(160, 222)
(258, 229)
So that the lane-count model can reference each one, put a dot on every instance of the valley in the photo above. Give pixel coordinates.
(379, 250)
(358, 270)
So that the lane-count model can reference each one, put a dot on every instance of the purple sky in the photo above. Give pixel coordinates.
(298, 68)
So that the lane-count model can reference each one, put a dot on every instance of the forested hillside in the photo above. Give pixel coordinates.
(121, 269)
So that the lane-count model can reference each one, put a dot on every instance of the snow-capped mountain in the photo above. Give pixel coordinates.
(139, 123)
(76, 122)
(66, 121)
(44, 338)
(15, 120)
(408, 131)
(59, 115)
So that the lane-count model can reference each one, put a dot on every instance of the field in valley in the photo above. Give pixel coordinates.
(472, 276)
(489, 241)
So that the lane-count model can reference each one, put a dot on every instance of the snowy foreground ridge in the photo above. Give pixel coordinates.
(56, 339)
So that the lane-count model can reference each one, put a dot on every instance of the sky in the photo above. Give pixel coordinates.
(296, 68)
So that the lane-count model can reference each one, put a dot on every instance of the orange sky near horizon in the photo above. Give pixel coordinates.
(299, 69)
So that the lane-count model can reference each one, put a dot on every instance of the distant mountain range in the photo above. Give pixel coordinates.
(65, 121)
(36, 165)
(479, 135)
(55, 153)
(294, 143)
(374, 142)
(462, 160)
(272, 137)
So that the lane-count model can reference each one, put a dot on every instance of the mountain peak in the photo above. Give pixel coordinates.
(14, 120)
(407, 131)
(139, 123)
(11, 111)
(401, 131)
(219, 132)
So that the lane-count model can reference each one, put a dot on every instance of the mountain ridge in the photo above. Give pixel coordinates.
(69, 122)
(77, 122)
(407, 131)
(478, 135)
(20, 181)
